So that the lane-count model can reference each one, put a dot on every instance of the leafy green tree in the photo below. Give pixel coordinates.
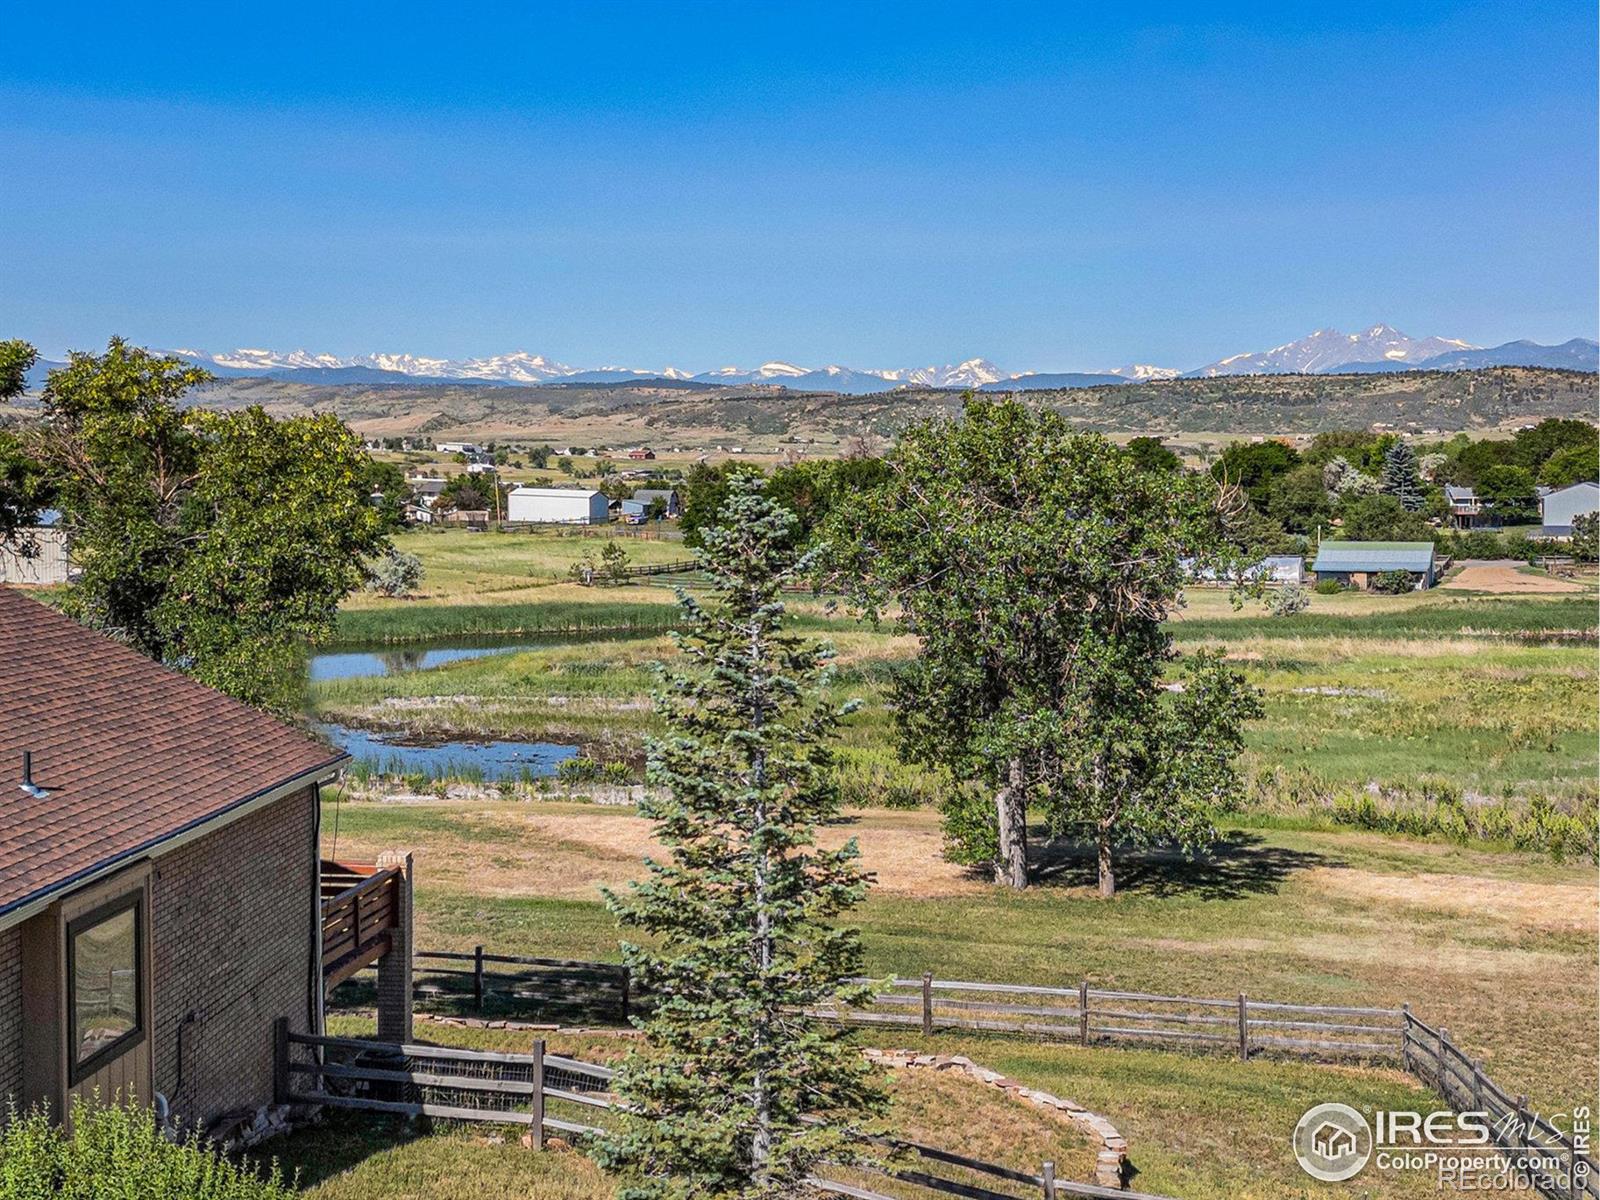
(215, 542)
(467, 493)
(1381, 518)
(386, 484)
(25, 488)
(614, 563)
(706, 490)
(1400, 478)
(737, 1093)
(1299, 501)
(1036, 567)
(1151, 454)
(1253, 466)
(1571, 464)
(1586, 537)
(1510, 492)
(1532, 448)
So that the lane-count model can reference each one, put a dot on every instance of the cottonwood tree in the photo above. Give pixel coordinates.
(1036, 567)
(217, 543)
(737, 1093)
(25, 488)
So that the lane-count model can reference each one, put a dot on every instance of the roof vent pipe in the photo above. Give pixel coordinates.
(28, 785)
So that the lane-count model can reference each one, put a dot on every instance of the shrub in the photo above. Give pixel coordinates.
(578, 770)
(395, 574)
(1328, 587)
(120, 1151)
(1394, 583)
(1288, 600)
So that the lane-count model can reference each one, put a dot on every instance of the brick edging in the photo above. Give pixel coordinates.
(1111, 1157)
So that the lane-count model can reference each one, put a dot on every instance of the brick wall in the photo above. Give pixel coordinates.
(232, 952)
(10, 1015)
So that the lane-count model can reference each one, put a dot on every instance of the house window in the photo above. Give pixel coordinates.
(105, 985)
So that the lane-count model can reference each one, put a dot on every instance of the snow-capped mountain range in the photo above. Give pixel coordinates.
(1328, 350)
(1379, 348)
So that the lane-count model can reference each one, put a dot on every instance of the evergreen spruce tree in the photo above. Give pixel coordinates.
(1400, 477)
(736, 1093)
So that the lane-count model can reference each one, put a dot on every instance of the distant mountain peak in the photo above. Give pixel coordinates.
(1326, 350)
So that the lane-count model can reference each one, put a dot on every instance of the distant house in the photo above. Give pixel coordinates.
(37, 556)
(480, 468)
(160, 881)
(1467, 511)
(641, 453)
(668, 496)
(458, 448)
(557, 506)
(418, 514)
(1355, 563)
(1559, 508)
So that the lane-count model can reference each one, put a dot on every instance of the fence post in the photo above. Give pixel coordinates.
(1049, 1177)
(537, 1128)
(1477, 1084)
(1083, 1012)
(627, 983)
(477, 978)
(1405, 1037)
(1441, 1076)
(927, 1003)
(1244, 1029)
(280, 1060)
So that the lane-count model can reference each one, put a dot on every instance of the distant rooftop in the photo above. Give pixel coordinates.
(1374, 556)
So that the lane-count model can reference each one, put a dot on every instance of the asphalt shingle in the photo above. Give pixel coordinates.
(130, 752)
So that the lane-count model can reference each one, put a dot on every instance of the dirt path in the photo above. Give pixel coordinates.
(1506, 576)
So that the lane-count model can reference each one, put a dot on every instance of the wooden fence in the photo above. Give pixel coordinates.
(678, 567)
(518, 1089)
(556, 985)
(436, 1081)
(1558, 1165)
(360, 909)
(1087, 1014)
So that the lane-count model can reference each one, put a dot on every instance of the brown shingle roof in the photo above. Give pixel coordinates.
(131, 753)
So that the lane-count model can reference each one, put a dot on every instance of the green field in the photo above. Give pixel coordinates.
(1411, 704)
(1486, 695)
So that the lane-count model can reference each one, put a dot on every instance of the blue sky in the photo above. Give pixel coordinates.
(1052, 186)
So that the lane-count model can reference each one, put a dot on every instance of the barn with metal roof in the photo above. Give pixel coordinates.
(1355, 563)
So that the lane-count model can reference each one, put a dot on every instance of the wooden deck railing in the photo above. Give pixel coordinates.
(360, 908)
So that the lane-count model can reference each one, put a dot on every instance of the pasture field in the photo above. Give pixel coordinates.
(1488, 698)
(1486, 695)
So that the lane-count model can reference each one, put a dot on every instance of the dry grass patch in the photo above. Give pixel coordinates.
(1550, 906)
(566, 851)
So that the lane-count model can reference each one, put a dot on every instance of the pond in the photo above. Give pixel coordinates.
(363, 664)
(388, 753)
(491, 761)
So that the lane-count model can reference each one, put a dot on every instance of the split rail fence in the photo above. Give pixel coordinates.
(519, 1089)
(1558, 1164)
(1087, 1014)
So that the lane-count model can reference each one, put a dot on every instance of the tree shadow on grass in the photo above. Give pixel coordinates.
(340, 1142)
(1238, 864)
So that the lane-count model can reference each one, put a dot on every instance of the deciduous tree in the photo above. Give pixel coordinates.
(214, 542)
(1036, 567)
(738, 1093)
(25, 488)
